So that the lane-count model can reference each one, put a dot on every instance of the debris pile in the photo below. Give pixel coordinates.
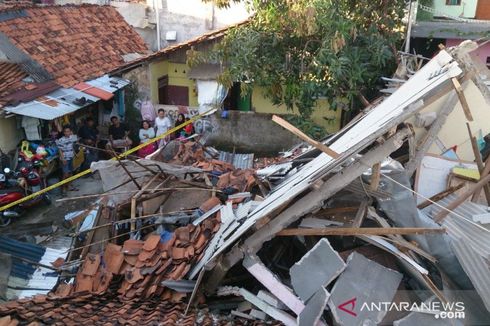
(334, 232)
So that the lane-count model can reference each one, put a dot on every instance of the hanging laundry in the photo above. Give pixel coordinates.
(31, 128)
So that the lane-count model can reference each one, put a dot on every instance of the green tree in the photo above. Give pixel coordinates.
(302, 50)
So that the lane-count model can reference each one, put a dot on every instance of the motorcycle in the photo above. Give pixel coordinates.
(17, 185)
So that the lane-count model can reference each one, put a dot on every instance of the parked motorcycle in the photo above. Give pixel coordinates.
(15, 185)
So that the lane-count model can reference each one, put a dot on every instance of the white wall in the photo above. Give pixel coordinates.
(189, 18)
(454, 131)
(466, 9)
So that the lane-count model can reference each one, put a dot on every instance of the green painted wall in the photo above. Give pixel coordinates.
(466, 9)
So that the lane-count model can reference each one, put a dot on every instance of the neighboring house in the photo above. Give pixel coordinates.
(54, 61)
(177, 21)
(450, 22)
(166, 80)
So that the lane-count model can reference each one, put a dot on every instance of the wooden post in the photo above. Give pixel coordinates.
(286, 125)
(486, 171)
(481, 167)
(361, 213)
(462, 99)
(375, 176)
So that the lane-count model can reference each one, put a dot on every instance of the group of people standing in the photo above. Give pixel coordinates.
(161, 126)
(88, 136)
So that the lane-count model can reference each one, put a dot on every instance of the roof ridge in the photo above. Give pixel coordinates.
(7, 7)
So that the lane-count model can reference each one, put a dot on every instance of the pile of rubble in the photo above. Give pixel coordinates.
(339, 233)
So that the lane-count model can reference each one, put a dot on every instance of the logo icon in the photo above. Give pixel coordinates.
(349, 306)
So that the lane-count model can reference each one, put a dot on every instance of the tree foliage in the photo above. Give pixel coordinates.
(302, 50)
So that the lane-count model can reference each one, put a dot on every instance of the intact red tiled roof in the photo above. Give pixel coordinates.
(11, 76)
(208, 37)
(74, 43)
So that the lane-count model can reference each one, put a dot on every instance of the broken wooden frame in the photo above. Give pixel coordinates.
(325, 188)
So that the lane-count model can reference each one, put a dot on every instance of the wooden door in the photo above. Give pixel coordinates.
(177, 95)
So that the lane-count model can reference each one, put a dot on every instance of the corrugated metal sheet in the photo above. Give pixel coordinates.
(239, 161)
(63, 101)
(470, 242)
(28, 279)
(21, 250)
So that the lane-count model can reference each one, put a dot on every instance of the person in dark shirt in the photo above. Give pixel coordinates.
(180, 120)
(89, 135)
(118, 135)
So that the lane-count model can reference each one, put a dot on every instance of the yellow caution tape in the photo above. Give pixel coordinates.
(88, 171)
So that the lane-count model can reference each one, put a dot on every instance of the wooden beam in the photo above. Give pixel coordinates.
(298, 133)
(310, 202)
(361, 213)
(462, 98)
(440, 195)
(439, 217)
(479, 163)
(358, 231)
(486, 171)
(375, 176)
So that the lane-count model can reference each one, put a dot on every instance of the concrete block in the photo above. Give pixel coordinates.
(271, 282)
(271, 299)
(275, 313)
(257, 314)
(316, 269)
(363, 283)
(314, 308)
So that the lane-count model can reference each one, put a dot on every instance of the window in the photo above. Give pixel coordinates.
(453, 2)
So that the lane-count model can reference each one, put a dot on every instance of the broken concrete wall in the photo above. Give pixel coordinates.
(248, 132)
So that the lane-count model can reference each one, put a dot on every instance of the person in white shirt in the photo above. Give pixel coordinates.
(162, 125)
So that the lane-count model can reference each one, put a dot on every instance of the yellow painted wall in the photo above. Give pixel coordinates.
(10, 134)
(177, 76)
(261, 104)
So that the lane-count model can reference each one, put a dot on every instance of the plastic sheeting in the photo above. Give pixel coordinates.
(210, 94)
(401, 208)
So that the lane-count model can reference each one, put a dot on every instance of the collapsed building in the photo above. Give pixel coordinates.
(323, 235)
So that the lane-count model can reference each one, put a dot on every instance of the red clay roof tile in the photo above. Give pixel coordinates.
(74, 36)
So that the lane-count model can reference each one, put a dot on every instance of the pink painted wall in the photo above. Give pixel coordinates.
(483, 52)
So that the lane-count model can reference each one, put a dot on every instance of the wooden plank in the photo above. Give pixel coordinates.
(440, 195)
(361, 213)
(90, 234)
(133, 213)
(375, 176)
(358, 231)
(439, 217)
(462, 98)
(298, 133)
